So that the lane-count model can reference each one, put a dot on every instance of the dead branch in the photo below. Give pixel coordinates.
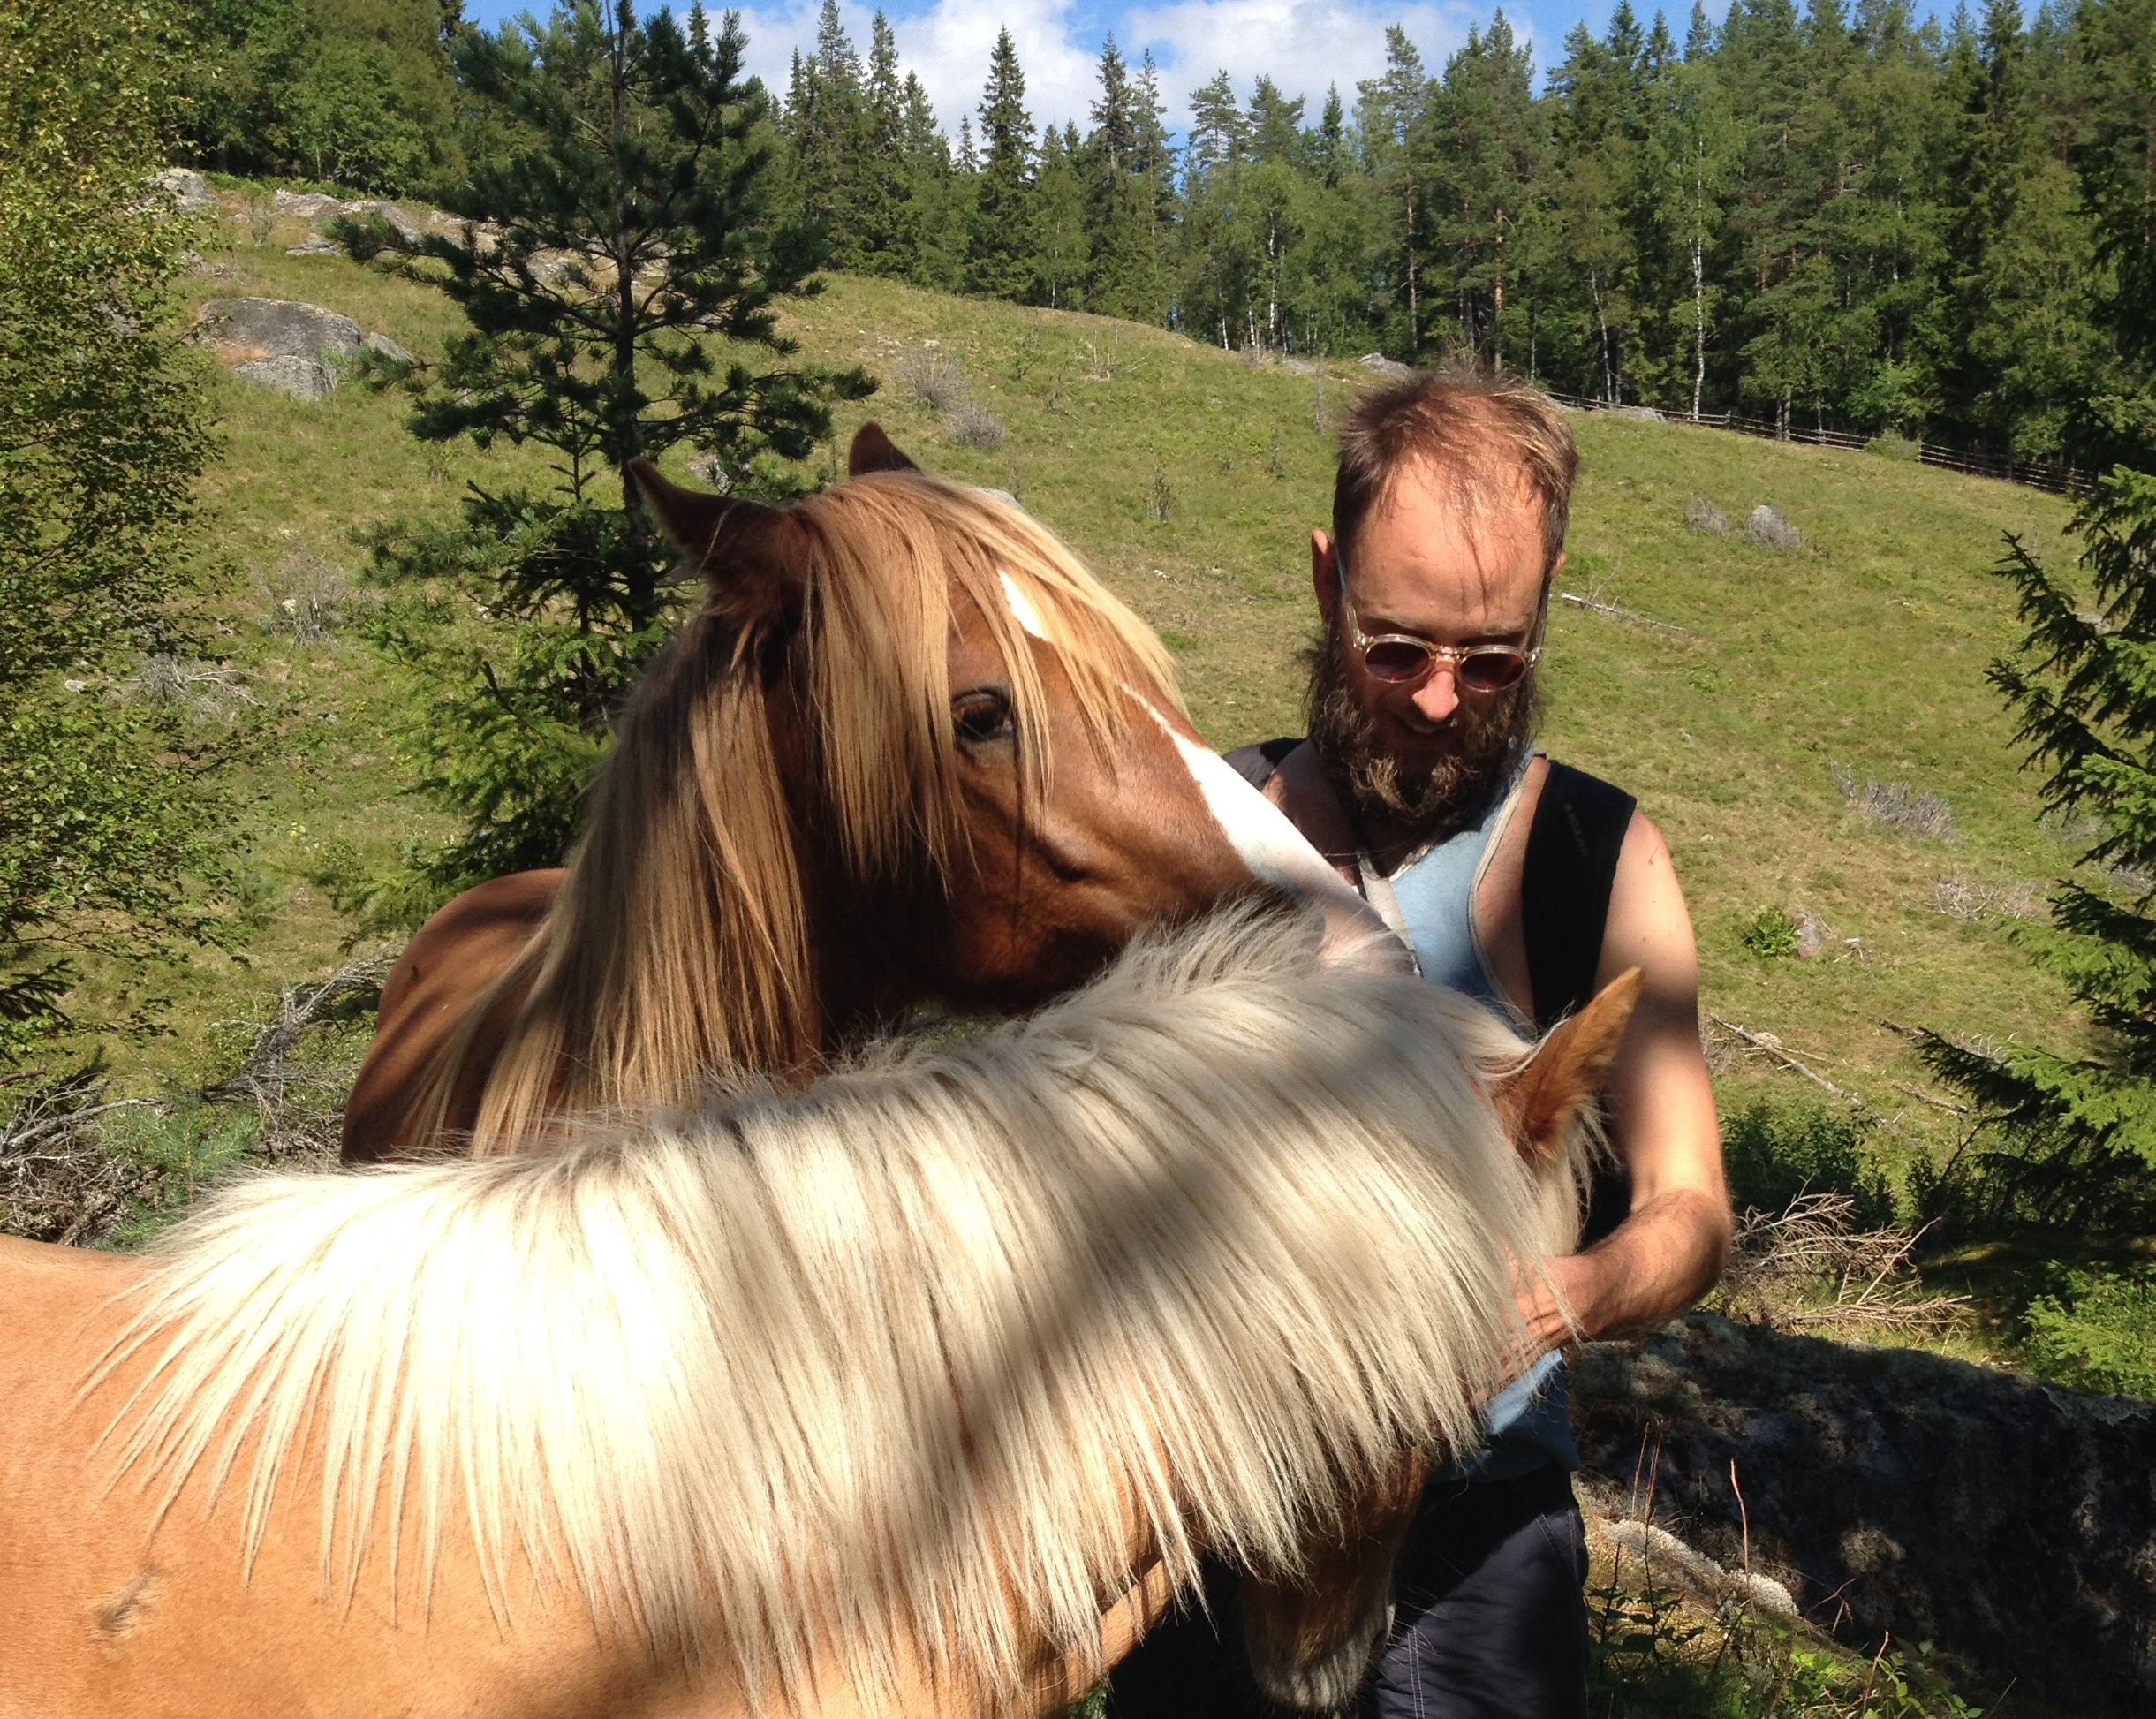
(1627, 617)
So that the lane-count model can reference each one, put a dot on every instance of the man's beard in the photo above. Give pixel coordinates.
(1489, 736)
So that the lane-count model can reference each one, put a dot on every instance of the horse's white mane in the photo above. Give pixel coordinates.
(886, 1364)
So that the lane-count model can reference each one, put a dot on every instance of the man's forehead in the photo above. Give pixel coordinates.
(1482, 496)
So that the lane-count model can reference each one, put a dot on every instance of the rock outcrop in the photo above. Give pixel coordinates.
(182, 190)
(276, 344)
(2009, 1523)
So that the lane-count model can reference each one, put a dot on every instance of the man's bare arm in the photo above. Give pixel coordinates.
(1672, 1245)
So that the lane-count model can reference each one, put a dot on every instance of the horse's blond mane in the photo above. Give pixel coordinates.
(887, 1366)
(677, 950)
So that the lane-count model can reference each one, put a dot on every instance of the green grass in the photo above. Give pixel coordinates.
(1865, 649)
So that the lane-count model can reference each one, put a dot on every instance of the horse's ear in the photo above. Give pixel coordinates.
(874, 451)
(1539, 1101)
(750, 555)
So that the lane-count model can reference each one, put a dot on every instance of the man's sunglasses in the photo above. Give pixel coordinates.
(1399, 659)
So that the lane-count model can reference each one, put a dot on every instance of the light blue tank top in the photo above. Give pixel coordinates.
(1430, 901)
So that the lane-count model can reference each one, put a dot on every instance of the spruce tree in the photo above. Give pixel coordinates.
(636, 222)
(1060, 268)
(1123, 261)
(1156, 154)
(2115, 51)
(1003, 239)
(2075, 1136)
(887, 208)
(827, 123)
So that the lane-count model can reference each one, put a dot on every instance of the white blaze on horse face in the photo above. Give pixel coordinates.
(1277, 854)
(1021, 606)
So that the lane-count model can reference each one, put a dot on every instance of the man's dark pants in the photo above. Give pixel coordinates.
(1491, 1621)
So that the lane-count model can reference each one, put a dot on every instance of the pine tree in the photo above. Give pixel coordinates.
(648, 164)
(1003, 241)
(1219, 135)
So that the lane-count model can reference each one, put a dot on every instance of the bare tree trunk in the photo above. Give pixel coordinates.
(1594, 285)
(1414, 308)
(1497, 295)
(1699, 324)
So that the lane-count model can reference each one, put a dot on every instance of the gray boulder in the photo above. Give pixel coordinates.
(411, 231)
(2008, 1522)
(301, 378)
(182, 190)
(1770, 530)
(1635, 414)
(1378, 365)
(308, 205)
(315, 244)
(387, 348)
(276, 344)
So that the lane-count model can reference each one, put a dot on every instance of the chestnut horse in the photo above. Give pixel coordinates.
(871, 1398)
(907, 747)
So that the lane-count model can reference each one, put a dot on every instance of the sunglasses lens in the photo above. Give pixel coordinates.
(1395, 659)
(1492, 671)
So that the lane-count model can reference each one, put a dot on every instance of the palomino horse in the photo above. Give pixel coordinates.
(870, 1398)
(908, 747)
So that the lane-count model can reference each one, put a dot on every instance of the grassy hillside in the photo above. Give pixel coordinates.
(1864, 649)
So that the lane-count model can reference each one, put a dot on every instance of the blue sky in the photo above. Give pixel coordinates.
(1303, 45)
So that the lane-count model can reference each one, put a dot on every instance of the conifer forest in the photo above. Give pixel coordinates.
(1831, 218)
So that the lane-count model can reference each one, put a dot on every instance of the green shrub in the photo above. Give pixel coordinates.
(2097, 1330)
(1771, 934)
(1772, 1151)
(1891, 446)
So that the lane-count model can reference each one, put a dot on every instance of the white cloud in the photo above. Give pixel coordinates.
(1302, 45)
(947, 45)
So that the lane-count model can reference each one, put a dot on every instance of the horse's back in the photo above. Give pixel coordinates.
(453, 957)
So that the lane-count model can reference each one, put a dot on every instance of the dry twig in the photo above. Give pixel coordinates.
(1808, 1267)
(272, 1079)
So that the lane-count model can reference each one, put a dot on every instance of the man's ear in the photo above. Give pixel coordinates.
(1541, 1098)
(1324, 584)
(754, 557)
(874, 451)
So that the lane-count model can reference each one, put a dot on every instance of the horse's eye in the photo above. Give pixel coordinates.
(982, 716)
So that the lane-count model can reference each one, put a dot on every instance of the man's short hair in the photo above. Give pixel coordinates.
(1467, 424)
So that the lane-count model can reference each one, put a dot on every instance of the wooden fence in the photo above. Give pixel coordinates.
(2058, 480)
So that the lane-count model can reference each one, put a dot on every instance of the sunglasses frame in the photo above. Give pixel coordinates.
(1456, 656)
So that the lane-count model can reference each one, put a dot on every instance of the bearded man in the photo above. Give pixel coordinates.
(1527, 885)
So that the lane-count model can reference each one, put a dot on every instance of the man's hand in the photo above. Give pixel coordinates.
(1671, 1248)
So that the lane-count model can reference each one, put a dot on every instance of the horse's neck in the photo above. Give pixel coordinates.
(874, 956)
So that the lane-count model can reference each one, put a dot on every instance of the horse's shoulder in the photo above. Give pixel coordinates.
(482, 929)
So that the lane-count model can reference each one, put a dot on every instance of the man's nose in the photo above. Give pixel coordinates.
(1439, 695)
